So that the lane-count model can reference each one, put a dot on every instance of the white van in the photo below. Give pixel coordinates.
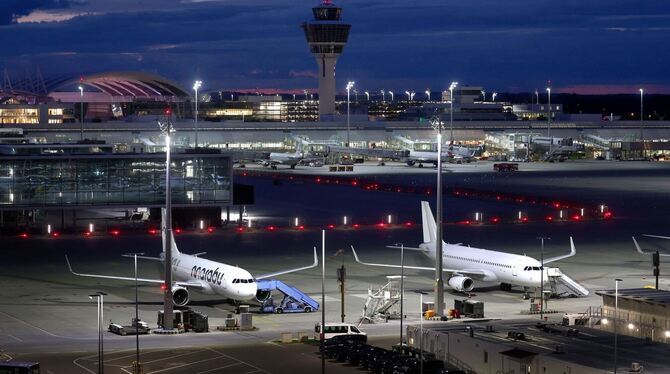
(336, 329)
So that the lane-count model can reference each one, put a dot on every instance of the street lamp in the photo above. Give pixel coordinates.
(383, 96)
(616, 319)
(367, 95)
(81, 112)
(421, 293)
(408, 95)
(452, 86)
(402, 287)
(439, 281)
(168, 317)
(542, 239)
(483, 95)
(391, 93)
(350, 85)
(99, 297)
(411, 95)
(549, 119)
(428, 93)
(493, 96)
(305, 92)
(196, 86)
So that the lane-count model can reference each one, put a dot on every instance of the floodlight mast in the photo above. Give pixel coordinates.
(167, 129)
(437, 125)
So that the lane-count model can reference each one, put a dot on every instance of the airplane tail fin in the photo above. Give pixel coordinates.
(429, 226)
(173, 244)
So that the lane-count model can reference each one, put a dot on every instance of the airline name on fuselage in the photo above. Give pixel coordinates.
(209, 275)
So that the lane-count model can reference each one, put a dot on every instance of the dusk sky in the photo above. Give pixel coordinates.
(588, 46)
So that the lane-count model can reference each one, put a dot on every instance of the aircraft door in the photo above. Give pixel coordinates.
(514, 273)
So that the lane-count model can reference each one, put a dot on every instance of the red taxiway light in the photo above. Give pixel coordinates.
(55, 234)
(524, 219)
(87, 234)
(495, 220)
(177, 231)
(607, 215)
(318, 180)
(115, 232)
(409, 224)
(271, 228)
(354, 183)
(331, 226)
(152, 231)
(23, 235)
(210, 229)
(240, 229)
(556, 205)
(576, 217)
(355, 225)
(381, 225)
(301, 227)
(549, 218)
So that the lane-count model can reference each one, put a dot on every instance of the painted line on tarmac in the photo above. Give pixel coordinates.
(219, 368)
(33, 326)
(81, 366)
(238, 360)
(14, 337)
(169, 357)
(186, 364)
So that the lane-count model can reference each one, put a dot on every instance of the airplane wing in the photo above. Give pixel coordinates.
(658, 236)
(639, 249)
(143, 280)
(573, 251)
(478, 273)
(406, 248)
(315, 264)
(141, 258)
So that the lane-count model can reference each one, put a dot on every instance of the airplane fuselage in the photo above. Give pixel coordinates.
(500, 267)
(216, 278)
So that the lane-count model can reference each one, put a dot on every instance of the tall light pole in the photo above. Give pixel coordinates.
(196, 86)
(421, 293)
(411, 95)
(323, 299)
(391, 93)
(439, 281)
(642, 117)
(168, 305)
(427, 92)
(350, 85)
(537, 97)
(616, 320)
(367, 95)
(305, 92)
(402, 288)
(549, 119)
(137, 317)
(452, 86)
(383, 96)
(81, 113)
(483, 95)
(408, 95)
(97, 298)
(542, 239)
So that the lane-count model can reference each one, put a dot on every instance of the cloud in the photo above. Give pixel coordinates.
(11, 10)
(39, 16)
(303, 73)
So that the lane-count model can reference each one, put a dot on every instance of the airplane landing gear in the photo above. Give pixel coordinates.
(526, 293)
(420, 165)
(505, 287)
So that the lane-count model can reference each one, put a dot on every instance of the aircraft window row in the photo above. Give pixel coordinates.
(496, 264)
(527, 268)
(243, 281)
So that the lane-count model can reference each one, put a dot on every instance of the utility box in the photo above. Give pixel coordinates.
(470, 308)
(199, 322)
(178, 319)
(246, 322)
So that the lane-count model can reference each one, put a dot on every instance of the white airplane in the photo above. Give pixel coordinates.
(451, 153)
(467, 264)
(191, 272)
(290, 159)
(639, 249)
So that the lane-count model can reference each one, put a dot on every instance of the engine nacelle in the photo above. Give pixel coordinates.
(461, 283)
(263, 295)
(180, 295)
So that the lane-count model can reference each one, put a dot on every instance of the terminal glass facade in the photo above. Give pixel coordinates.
(113, 180)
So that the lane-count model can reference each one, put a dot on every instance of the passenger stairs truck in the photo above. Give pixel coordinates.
(294, 300)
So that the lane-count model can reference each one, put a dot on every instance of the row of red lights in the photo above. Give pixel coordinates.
(271, 228)
(375, 186)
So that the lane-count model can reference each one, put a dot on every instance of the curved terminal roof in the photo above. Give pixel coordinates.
(118, 87)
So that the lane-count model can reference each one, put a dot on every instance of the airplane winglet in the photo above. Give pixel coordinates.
(637, 247)
(573, 251)
(355, 255)
(69, 266)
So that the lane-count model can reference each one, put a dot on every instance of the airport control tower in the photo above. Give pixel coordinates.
(326, 36)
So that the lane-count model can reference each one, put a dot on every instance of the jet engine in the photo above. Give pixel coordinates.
(461, 283)
(263, 295)
(179, 296)
(410, 162)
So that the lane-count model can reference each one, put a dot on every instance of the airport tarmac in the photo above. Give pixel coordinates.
(45, 311)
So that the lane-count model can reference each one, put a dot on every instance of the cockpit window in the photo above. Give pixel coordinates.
(243, 280)
(250, 280)
(236, 281)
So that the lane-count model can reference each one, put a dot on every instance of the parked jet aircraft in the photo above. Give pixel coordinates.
(465, 265)
(290, 159)
(191, 272)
